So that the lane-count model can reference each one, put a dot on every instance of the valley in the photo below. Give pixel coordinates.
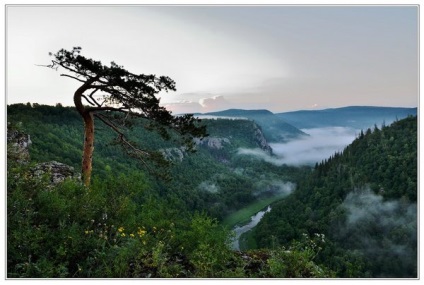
(253, 164)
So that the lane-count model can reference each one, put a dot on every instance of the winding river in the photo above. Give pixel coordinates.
(254, 220)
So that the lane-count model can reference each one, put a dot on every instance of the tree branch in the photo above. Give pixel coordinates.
(68, 68)
(88, 100)
(73, 77)
(138, 152)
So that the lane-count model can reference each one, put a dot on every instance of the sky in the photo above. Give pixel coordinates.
(275, 57)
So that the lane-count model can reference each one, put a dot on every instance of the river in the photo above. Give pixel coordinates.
(254, 220)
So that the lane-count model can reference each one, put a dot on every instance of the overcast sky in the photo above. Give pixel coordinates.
(280, 58)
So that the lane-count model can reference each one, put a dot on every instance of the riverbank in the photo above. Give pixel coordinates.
(242, 216)
(240, 230)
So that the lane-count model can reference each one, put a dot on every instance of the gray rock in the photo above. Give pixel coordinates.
(173, 153)
(57, 171)
(212, 142)
(18, 146)
(261, 141)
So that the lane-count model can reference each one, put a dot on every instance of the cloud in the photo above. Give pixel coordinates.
(319, 145)
(201, 105)
(214, 103)
(208, 186)
(274, 187)
(380, 228)
(260, 154)
(183, 107)
(364, 205)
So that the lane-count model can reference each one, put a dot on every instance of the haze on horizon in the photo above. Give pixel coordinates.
(280, 58)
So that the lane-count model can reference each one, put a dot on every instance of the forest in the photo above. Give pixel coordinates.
(364, 200)
(137, 220)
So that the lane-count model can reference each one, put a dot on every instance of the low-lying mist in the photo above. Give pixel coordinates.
(381, 230)
(274, 187)
(319, 145)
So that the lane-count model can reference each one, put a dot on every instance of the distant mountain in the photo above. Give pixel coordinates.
(357, 117)
(274, 128)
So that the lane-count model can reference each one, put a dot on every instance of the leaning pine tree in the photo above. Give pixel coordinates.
(115, 96)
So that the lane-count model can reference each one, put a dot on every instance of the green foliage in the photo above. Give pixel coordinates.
(363, 200)
(125, 96)
(274, 129)
(56, 134)
(297, 261)
(117, 228)
(134, 225)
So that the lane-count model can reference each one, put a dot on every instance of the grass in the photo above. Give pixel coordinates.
(242, 216)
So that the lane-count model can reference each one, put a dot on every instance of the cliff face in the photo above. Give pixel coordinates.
(213, 142)
(260, 139)
(18, 144)
(221, 142)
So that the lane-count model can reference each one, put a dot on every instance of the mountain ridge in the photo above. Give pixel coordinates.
(274, 128)
(359, 117)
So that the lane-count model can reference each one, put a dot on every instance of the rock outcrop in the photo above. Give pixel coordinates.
(18, 146)
(56, 171)
(173, 153)
(260, 139)
(18, 150)
(212, 142)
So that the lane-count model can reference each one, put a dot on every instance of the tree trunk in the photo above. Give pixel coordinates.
(87, 116)
(88, 148)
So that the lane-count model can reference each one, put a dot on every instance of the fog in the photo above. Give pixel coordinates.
(319, 145)
(381, 228)
(210, 117)
(275, 187)
(208, 187)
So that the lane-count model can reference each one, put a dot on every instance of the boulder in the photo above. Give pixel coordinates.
(57, 171)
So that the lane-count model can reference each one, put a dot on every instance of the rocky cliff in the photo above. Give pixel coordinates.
(18, 144)
(260, 139)
(57, 171)
(212, 142)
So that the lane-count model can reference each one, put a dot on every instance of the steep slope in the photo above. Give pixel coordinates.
(357, 117)
(274, 128)
(215, 179)
(363, 200)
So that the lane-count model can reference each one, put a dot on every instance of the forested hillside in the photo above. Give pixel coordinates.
(352, 215)
(275, 129)
(364, 200)
(213, 179)
(130, 222)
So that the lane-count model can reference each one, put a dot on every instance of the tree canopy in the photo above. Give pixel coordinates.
(115, 96)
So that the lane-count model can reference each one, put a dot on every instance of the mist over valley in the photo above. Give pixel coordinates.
(254, 173)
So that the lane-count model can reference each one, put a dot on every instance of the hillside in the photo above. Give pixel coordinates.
(275, 129)
(357, 117)
(353, 215)
(130, 223)
(364, 200)
(214, 179)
